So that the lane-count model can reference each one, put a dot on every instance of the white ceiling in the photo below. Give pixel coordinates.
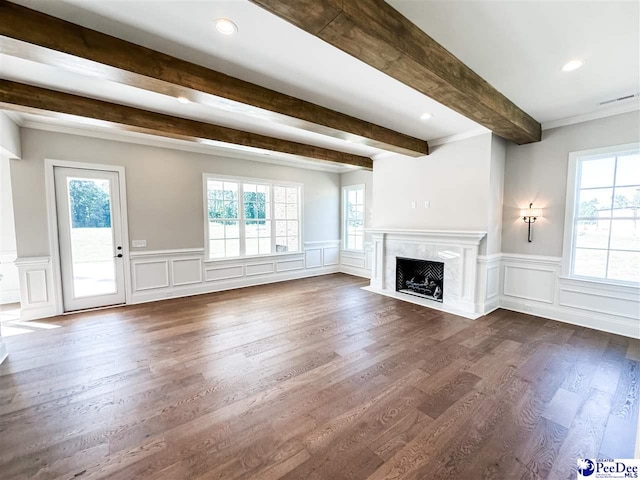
(519, 47)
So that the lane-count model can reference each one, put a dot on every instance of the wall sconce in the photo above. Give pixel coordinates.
(530, 215)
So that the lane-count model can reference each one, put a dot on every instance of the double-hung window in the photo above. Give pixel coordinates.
(251, 217)
(353, 217)
(603, 218)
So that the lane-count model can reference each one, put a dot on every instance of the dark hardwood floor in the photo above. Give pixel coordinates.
(312, 379)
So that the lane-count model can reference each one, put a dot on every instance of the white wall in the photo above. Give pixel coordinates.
(10, 147)
(454, 178)
(496, 193)
(531, 278)
(165, 208)
(164, 190)
(537, 173)
(10, 143)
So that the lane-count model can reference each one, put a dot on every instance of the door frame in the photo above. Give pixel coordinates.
(52, 220)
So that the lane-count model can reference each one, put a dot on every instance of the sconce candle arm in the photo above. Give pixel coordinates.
(530, 216)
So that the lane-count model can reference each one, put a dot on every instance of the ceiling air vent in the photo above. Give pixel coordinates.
(620, 99)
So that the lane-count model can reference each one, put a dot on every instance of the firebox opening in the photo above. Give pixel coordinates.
(421, 278)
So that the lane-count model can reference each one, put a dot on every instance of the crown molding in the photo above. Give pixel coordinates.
(631, 106)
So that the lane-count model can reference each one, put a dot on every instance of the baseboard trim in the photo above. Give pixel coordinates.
(3, 351)
(624, 327)
(355, 271)
(35, 313)
(224, 285)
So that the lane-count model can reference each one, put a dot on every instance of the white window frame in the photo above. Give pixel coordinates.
(241, 219)
(568, 245)
(345, 191)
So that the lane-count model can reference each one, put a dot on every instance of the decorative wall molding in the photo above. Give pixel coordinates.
(36, 287)
(9, 279)
(533, 284)
(488, 283)
(162, 274)
(164, 253)
(523, 283)
(3, 350)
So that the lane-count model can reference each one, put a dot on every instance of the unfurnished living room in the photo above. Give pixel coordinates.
(319, 239)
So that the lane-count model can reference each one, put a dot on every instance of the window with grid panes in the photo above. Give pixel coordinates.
(606, 228)
(248, 218)
(353, 217)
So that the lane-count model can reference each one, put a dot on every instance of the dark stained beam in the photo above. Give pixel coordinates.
(32, 35)
(30, 99)
(377, 34)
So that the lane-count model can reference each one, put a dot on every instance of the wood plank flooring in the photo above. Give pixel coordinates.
(312, 379)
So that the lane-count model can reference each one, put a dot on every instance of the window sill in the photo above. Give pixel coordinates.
(251, 257)
(348, 250)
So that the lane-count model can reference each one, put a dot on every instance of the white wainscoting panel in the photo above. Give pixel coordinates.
(36, 283)
(186, 271)
(176, 273)
(3, 350)
(260, 268)
(36, 287)
(288, 265)
(488, 283)
(224, 272)
(357, 263)
(330, 256)
(529, 283)
(150, 274)
(532, 284)
(313, 257)
(9, 280)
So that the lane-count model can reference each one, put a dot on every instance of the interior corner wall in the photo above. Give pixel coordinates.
(454, 178)
(10, 142)
(496, 194)
(164, 189)
(531, 274)
(537, 172)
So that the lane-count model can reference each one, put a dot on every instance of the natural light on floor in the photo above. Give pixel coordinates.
(19, 328)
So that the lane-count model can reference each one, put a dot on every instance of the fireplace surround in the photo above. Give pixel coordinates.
(456, 250)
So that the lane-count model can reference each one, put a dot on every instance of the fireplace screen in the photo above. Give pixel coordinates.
(421, 278)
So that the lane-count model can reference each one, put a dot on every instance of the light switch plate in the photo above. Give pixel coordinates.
(138, 243)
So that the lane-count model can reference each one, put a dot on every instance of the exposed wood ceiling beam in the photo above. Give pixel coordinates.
(377, 34)
(26, 98)
(32, 35)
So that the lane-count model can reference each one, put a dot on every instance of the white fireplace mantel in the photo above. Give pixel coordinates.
(457, 249)
(459, 237)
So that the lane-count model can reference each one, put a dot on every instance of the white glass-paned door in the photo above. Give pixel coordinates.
(90, 238)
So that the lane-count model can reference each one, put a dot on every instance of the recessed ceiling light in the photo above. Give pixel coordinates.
(426, 116)
(572, 65)
(226, 26)
(183, 99)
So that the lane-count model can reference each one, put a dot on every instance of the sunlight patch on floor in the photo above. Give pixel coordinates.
(20, 328)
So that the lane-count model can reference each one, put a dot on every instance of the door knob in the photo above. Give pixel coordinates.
(119, 255)
(119, 248)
